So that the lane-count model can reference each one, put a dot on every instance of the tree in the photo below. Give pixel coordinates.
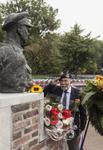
(1, 32)
(99, 49)
(44, 56)
(78, 51)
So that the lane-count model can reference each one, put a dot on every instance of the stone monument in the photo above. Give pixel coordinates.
(15, 73)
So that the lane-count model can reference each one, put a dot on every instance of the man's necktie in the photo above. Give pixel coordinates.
(65, 99)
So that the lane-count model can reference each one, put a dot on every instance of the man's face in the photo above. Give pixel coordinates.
(65, 83)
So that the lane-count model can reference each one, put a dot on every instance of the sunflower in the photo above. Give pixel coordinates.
(35, 89)
(99, 80)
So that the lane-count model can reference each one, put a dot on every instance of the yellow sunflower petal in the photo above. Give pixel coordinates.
(36, 89)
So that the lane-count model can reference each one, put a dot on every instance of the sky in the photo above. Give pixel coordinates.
(86, 13)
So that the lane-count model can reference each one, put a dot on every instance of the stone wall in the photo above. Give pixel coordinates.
(21, 123)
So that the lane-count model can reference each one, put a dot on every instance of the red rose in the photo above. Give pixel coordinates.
(54, 122)
(66, 114)
(54, 111)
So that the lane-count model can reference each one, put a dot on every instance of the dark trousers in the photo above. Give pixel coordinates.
(75, 143)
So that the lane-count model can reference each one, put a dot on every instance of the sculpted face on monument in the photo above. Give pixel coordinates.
(15, 73)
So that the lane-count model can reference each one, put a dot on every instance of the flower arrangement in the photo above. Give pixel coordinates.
(58, 117)
(93, 99)
(58, 121)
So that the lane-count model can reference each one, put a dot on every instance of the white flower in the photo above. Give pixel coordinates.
(59, 125)
(47, 121)
(60, 116)
(60, 107)
(48, 107)
(71, 120)
(68, 121)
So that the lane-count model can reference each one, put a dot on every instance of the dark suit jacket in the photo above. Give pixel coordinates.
(80, 116)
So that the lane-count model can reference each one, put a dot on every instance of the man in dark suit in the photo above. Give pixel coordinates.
(67, 95)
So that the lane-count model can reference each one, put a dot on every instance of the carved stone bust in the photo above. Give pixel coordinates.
(15, 74)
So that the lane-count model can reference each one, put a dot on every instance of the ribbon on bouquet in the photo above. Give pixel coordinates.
(61, 134)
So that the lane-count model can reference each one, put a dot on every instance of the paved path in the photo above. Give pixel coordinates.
(93, 140)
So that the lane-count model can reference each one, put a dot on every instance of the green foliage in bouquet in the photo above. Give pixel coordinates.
(93, 99)
(53, 99)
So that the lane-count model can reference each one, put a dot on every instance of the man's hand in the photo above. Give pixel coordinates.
(55, 82)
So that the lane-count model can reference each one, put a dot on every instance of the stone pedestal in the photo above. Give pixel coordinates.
(21, 119)
(22, 124)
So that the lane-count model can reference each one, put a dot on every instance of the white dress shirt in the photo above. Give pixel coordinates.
(68, 98)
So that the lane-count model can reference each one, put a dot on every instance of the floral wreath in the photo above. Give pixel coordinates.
(93, 99)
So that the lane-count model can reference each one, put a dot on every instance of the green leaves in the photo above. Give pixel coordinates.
(87, 97)
(78, 50)
(93, 99)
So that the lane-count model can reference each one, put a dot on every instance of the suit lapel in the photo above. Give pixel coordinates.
(72, 96)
